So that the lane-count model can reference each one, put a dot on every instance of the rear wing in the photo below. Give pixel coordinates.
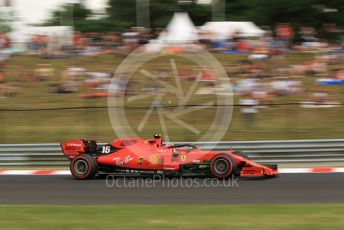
(72, 148)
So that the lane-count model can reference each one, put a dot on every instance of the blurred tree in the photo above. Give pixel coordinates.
(296, 12)
(121, 14)
(161, 12)
(76, 15)
(6, 19)
(199, 13)
(79, 12)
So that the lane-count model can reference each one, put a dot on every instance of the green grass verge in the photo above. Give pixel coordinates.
(142, 217)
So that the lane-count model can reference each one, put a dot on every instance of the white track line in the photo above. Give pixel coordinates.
(17, 172)
(61, 172)
(294, 170)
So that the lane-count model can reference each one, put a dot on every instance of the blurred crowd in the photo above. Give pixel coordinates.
(90, 43)
(263, 74)
(276, 41)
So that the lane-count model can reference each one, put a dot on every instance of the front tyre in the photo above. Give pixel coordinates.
(222, 166)
(83, 167)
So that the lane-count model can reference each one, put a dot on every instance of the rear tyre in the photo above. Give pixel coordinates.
(222, 166)
(83, 167)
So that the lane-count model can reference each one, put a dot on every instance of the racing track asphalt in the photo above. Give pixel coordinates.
(63, 189)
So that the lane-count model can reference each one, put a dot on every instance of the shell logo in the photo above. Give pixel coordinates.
(154, 160)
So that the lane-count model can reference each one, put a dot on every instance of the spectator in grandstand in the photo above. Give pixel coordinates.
(248, 109)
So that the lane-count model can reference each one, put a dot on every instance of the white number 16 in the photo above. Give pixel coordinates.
(106, 149)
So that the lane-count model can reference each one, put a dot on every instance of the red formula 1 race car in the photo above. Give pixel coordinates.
(138, 156)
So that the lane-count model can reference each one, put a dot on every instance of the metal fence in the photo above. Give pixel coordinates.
(291, 151)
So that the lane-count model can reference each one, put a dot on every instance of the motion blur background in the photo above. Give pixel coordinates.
(284, 60)
(285, 65)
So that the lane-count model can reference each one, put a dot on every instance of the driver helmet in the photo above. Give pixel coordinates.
(158, 141)
(157, 135)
